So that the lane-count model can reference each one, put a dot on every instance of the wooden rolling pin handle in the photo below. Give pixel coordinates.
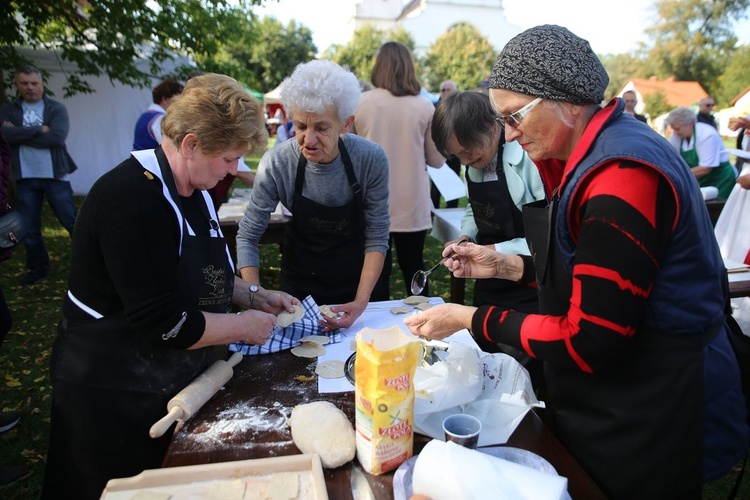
(160, 427)
(234, 359)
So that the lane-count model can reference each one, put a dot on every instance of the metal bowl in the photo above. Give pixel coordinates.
(349, 367)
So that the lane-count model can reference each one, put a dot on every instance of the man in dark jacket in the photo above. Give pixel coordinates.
(704, 115)
(36, 127)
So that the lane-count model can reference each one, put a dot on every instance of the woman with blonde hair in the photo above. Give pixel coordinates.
(151, 283)
(395, 116)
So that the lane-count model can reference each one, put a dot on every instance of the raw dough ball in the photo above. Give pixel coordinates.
(413, 300)
(333, 368)
(285, 318)
(321, 428)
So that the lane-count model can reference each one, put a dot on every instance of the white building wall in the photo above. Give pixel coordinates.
(427, 20)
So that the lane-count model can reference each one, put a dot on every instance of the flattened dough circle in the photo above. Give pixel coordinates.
(308, 350)
(285, 318)
(333, 368)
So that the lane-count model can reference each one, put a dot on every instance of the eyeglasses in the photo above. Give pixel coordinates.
(445, 90)
(514, 119)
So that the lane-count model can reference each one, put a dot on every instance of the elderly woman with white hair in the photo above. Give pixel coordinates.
(702, 148)
(643, 386)
(336, 186)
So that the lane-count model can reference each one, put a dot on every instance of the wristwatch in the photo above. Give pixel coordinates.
(252, 290)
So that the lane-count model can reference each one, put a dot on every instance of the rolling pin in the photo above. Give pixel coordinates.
(191, 398)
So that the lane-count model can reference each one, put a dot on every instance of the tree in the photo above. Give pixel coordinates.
(621, 68)
(107, 36)
(656, 104)
(272, 52)
(359, 54)
(461, 54)
(692, 40)
(736, 76)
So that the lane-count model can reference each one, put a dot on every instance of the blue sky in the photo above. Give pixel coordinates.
(620, 29)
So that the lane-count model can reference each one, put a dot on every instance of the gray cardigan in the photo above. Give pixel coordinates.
(324, 184)
(56, 118)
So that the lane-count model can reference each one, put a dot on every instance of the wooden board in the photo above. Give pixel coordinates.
(206, 481)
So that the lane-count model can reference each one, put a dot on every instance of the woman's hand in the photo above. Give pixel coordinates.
(257, 326)
(347, 314)
(464, 238)
(477, 261)
(440, 321)
(744, 181)
(274, 301)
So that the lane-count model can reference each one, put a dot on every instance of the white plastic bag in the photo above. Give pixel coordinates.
(504, 398)
(455, 381)
(733, 235)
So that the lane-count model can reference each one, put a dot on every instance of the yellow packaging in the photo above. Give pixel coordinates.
(384, 398)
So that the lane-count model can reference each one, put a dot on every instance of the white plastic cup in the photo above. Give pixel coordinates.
(462, 429)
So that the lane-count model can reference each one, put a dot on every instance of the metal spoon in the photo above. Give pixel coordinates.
(419, 281)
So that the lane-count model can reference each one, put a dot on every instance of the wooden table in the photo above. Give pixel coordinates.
(230, 214)
(248, 420)
(739, 285)
(714, 208)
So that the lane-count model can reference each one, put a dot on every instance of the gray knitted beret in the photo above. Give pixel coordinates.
(551, 62)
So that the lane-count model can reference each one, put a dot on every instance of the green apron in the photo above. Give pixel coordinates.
(722, 177)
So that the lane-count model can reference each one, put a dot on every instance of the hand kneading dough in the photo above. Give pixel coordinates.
(321, 428)
(285, 319)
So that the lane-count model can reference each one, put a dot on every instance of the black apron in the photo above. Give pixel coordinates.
(498, 219)
(610, 421)
(111, 386)
(324, 247)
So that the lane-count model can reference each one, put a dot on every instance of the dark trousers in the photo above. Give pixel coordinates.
(30, 194)
(98, 434)
(6, 321)
(410, 255)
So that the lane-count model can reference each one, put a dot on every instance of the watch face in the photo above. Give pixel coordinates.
(254, 288)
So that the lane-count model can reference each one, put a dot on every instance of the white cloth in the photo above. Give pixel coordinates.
(449, 471)
(732, 232)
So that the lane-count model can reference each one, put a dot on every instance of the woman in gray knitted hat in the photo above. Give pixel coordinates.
(642, 382)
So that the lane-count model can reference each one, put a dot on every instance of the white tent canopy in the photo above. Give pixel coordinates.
(274, 96)
(102, 123)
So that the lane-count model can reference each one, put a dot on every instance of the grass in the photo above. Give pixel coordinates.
(25, 355)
